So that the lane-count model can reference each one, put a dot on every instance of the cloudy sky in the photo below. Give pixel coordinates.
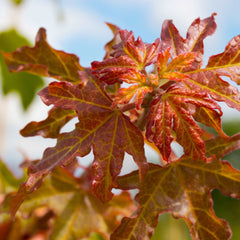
(78, 26)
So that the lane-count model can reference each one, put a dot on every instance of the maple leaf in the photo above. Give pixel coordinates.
(171, 112)
(209, 79)
(210, 118)
(169, 100)
(72, 203)
(128, 55)
(172, 70)
(116, 39)
(220, 146)
(196, 33)
(137, 91)
(228, 62)
(205, 79)
(97, 121)
(128, 64)
(183, 188)
(51, 126)
(184, 70)
(210, 83)
(44, 60)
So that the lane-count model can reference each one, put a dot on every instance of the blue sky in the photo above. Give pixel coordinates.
(145, 18)
(82, 31)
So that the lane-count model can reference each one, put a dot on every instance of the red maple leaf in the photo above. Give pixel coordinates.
(172, 112)
(183, 189)
(97, 121)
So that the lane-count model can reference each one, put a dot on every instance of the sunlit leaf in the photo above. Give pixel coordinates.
(218, 89)
(210, 118)
(228, 62)
(177, 64)
(129, 54)
(196, 33)
(116, 39)
(183, 189)
(158, 89)
(171, 112)
(135, 92)
(111, 125)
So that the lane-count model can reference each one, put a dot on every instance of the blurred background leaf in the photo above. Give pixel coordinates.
(9, 182)
(25, 84)
(17, 2)
(170, 228)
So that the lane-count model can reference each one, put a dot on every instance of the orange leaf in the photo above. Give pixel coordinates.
(228, 62)
(129, 54)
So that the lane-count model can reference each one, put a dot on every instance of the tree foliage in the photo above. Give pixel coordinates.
(156, 93)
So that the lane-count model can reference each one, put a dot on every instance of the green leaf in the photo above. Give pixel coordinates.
(8, 182)
(24, 84)
(17, 2)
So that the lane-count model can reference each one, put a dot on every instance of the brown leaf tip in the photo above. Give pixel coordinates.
(41, 35)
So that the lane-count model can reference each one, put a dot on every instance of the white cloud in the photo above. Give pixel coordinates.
(182, 12)
(76, 21)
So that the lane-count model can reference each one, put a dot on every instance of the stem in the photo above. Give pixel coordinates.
(141, 122)
(127, 107)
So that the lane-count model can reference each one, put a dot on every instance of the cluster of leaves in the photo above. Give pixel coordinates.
(156, 93)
